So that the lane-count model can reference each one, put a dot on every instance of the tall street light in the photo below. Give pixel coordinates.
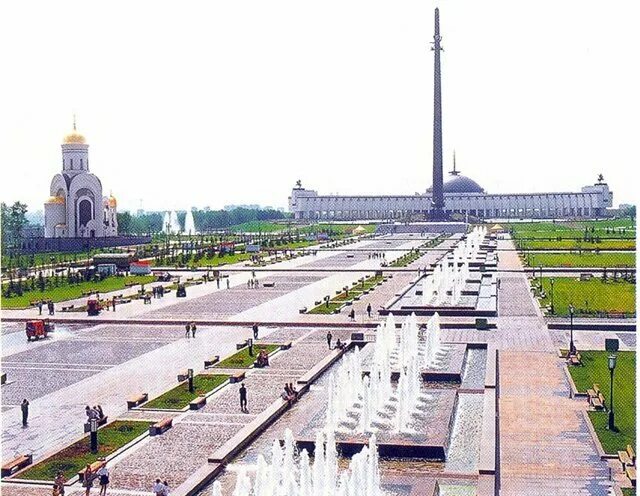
(572, 347)
(612, 366)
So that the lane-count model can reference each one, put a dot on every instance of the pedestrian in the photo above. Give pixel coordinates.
(165, 490)
(24, 406)
(113, 303)
(369, 310)
(87, 482)
(158, 488)
(218, 282)
(193, 329)
(243, 398)
(187, 328)
(50, 307)
(103, 475)
(352, 315)
(59, 482)
(329, 338)
(227, 283)
(255, 331)
(40, 307)
(248, 283)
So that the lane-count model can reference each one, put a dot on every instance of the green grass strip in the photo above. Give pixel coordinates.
(179, 397)
(242, 359)
(75, 457)
(68, 291)
(595, 371)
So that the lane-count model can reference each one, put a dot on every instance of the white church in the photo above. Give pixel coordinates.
(76, 208)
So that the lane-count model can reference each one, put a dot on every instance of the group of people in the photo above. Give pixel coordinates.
(190, 330)
(158, 291)
(50, 306)
(94, 412)
(289, 393)
(160, 488)
(339, 344)
(376, 254)
(253, 283)
(102, 474)
(263, 359)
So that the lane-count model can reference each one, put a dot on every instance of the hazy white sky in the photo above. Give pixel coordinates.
(211, 103)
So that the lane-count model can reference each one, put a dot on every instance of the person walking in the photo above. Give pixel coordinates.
(24, 406)
(352, 315)
(103, 475)
(165, 490)
(40, 307)
(369, 310)
(227, 283)
(248, 283)
(329, 338)
(218, 282)
(187, 330)
(158, 488)
(255, 331)
(59, 482)
(87, 482)
(243, 398)
(193, 329)
(113, 303)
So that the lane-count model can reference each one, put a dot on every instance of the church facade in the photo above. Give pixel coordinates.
(76, 207)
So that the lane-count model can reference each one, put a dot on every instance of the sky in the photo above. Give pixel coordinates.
(212, 103)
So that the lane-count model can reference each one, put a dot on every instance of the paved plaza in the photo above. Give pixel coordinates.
(543, 439)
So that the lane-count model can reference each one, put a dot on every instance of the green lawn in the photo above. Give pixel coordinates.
(75, 457)
(589, 297)
(570, 244)
(69, 292)
(242, 360)
(326, 310)
(180, 397)
(624, 398)
(608, 260)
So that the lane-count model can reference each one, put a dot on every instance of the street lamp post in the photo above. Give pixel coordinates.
(612, 366)
(572, 347)
(553, 311)
(93, 423)
(190, 377)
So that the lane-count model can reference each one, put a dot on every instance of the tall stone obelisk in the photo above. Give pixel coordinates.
(437, 199)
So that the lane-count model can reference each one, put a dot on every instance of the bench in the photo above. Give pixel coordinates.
(269, 284)
(627, 457)
(286, 346)
(16, 464)
(303, 310)
(134, 401)
(183, 375)
(241, 345)
(211, 361)
(161, 427)
(68, 308)
(593, 393)
(631, 473)
(95, 466)
(3, 378)
(198, 403)
(236, 377)
(598, 403)
(575, 359)
(101, 421)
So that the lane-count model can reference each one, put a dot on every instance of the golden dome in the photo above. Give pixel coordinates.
(113, 203)
(74, 136)
(56, 199)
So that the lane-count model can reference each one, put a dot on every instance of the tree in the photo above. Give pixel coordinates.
(124, 222)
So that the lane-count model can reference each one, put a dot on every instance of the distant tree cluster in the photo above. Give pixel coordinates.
(13, 222)
(205, 220)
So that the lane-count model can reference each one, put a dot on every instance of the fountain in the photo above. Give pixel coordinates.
(285, 475)
(170, 223)
(189, 225)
